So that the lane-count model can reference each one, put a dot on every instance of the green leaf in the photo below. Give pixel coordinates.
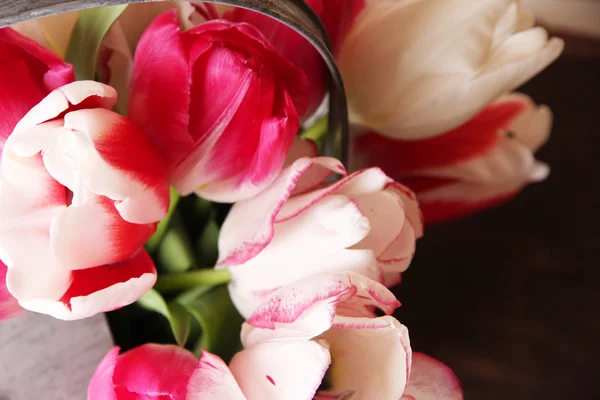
(91, 27)
(177, 282)
(177, 315)
(207, 248)
(161, 229)
(175, 253)
(192, 294)
(220, 322)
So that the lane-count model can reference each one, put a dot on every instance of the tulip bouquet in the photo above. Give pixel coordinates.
(163, 163)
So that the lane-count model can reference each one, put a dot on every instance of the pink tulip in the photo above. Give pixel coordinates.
(28, 72)
(9, 306)
(480, 164)
(82, 191)
(325, 331)
(337, 16)
(156, 372)
(299, 226)
(219, 103)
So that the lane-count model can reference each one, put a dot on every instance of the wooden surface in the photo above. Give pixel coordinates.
(510, 298)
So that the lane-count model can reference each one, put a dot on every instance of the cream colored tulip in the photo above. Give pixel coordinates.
(418, 68)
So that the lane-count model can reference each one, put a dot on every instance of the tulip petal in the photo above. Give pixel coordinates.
(306, 309)
(472, 97)
(101, 385)
(411, 206)
(167, 73)
(19, 93)
(371, 357)
(292, 371)
(29, 200)
(76, 95)
(100, 289)
(34, 69)
(338, 17)
(329, 228)
(292, 46)
(212, 380)
(111, 240)
(213, 169)
(533, 126)
(431, 380)
(99, 147)
(443, 200)
(155, 370)
(359, 183)
(474, 138)
(9, 306)
(254, 230)
(54, 71)
(384, 212)
(97, 142)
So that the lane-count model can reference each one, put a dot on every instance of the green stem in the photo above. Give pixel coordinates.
(171, 283)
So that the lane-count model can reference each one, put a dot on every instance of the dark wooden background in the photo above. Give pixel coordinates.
(510, 298)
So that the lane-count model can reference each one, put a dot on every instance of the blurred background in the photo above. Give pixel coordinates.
(510, 298)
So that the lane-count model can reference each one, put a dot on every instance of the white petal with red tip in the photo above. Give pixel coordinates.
(432, 380)
(212, 380)
(273, 371)
(249, 228)
(111, 296)
(99, 146)
(29, 200)
(109, 241)
(56, 103)
(371, 358)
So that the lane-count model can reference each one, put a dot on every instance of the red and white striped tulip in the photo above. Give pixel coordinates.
(219, 103)
(414, 69)
(82, 191)
(300, 226)
(480, 164)
(325, 329)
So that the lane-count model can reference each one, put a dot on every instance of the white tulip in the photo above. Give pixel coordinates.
(417, 68)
